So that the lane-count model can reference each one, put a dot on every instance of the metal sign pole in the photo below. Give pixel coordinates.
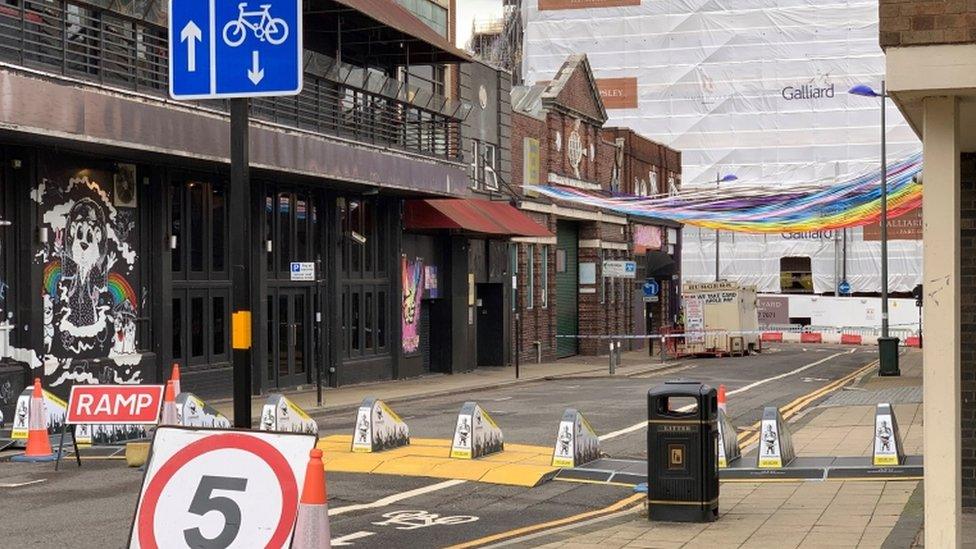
(239, 198)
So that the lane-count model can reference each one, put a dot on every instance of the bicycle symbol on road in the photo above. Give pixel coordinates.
(411, 520)
(274, 30)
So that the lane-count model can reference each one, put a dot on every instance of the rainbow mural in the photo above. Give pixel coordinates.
(121, 290)
(52, 275)
(753, 209)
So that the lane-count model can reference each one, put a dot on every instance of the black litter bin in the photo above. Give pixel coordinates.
(682, 452)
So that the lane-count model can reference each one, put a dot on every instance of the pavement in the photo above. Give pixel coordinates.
(798, 514)
(93, 505)
(434, 385)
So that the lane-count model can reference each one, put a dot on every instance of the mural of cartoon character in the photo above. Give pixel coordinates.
(90, 309)
(464, 430)
(565, 441)
(83, 279)
(413, 291)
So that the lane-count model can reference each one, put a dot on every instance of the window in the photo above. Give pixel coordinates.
(490, 177)
(200, 312)
(544, 273)
(476, 164)
(364, 276)
(529, 276)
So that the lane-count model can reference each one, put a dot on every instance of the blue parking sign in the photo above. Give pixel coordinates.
(234, 48)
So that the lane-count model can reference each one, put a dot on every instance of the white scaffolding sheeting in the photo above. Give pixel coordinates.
(753, 87)
(755, 260)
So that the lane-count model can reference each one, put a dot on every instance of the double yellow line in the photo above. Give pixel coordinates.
(745, 439)
(794, 407)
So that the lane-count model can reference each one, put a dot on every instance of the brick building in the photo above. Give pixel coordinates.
(930, 53)
(558, 138)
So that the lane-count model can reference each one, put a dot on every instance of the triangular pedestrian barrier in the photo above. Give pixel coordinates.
(192, 411)
(728, 440)
(475, 434)
(888, 449)
(378, 428)
(284, 416)
(775, 442)
(576, 442)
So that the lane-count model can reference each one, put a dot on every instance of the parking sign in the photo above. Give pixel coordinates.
(234, 48)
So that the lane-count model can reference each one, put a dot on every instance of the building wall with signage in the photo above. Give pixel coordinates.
(779, 114)
(559, 138)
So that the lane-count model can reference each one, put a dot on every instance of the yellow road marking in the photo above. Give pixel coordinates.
(590, 481)
(793, 407)
(628, 501)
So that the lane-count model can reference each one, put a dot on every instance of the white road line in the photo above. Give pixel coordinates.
(19, 484)
(389, 500)
(643, 424)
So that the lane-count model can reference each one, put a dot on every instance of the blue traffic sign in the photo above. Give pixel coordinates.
(230, 48)
(844, 287)
(651, 288)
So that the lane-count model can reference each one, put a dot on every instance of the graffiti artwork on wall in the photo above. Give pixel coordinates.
(413, 291)
(90, 308)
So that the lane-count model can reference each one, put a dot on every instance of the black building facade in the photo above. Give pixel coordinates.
(114, 254)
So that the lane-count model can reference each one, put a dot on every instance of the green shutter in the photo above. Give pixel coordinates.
(567, 291)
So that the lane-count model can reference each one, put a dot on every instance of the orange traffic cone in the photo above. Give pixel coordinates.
(38, 443)
(722, 399)
(169, 406)
(175, 378)
(312, 524)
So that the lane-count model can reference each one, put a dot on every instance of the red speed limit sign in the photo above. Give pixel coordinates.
(214, 488)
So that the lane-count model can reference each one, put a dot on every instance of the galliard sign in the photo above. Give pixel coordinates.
(806, 91)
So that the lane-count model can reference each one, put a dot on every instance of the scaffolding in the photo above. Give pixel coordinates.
(498, 40)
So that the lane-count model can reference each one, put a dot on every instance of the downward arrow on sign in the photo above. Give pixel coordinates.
(255, 74)
(191, 34)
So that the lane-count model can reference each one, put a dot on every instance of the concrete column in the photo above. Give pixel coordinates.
(941, 353)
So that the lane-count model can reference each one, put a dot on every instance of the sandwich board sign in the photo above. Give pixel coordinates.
(220, 488)
(234, 48)
(887, 442)
(378, 428)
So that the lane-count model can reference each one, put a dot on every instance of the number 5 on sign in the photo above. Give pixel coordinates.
(214, 489)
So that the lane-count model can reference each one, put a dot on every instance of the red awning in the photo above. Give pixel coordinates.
(472, 215)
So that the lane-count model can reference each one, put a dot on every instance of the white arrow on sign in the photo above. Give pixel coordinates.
(255, 74)
(347, 540)
(191, 34)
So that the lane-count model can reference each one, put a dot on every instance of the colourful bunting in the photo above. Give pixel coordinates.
(768, 209)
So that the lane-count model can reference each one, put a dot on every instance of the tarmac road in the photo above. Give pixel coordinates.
(93, 506)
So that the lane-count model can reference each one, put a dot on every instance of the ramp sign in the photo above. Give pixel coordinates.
(213, 488)
(234, 48)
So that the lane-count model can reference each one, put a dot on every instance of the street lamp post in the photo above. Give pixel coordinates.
(719, 179)
(887, 346)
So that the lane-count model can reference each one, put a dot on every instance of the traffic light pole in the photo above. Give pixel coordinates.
(238, 199)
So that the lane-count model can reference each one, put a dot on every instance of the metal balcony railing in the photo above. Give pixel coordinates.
(98, 45)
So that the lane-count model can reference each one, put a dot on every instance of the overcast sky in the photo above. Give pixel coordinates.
(469, 10)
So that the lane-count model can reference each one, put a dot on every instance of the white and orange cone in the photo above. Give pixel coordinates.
(169, 406)
(175, 378)
(722, 399)
(38, 443)
(312, 524)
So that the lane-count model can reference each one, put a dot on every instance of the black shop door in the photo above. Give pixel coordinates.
(491, 325)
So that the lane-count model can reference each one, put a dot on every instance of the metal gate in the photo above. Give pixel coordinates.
(567, 289)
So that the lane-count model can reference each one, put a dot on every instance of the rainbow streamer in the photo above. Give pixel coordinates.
(852, 203)
(52, 275)
(121, 290)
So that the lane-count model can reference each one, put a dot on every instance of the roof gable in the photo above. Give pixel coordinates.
(574, 88)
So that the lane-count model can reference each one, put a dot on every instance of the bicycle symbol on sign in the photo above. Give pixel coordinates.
(274, 30)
